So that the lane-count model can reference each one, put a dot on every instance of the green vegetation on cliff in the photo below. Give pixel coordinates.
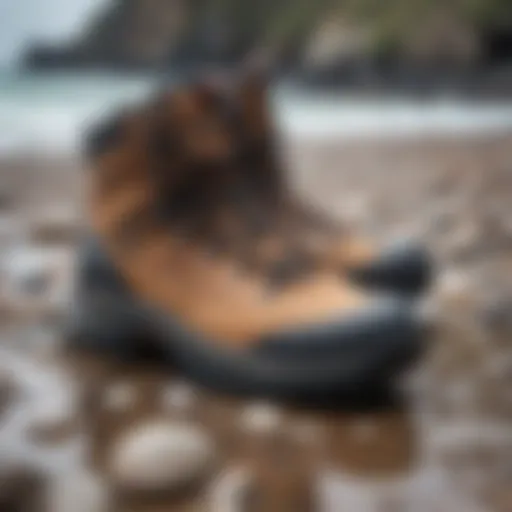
(162, 32)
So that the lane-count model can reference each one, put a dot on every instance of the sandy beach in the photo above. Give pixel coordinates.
(447, 447)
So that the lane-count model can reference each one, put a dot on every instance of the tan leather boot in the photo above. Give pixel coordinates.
(171, 262)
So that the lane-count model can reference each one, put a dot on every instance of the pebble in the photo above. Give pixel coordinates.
(232, 490)
(261, 418)
(464, 241)
(453, 286)
(356, 208)
(179, 396)
(441, 218)
(161, 457)
(12, 230)
(54, 421)
(50, 429)
(56, 225)
(335, 492)
(79, 492)
(496, 315)
(27, 270)
(39, 277)
(459, 396)
(432, 489)
(7, 390)
(119, 396)
(497, 366)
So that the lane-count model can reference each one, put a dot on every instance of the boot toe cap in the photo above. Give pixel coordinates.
(404, 266)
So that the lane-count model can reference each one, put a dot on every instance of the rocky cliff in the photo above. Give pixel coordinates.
(332, 38)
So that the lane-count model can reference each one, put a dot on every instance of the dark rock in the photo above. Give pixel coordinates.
(6, 200)
(22, 488)
(35, 284)
(8, 391)
(138, 35)
(53, 232)
(52, 430)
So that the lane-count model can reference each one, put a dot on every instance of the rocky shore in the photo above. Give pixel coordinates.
(91, 435)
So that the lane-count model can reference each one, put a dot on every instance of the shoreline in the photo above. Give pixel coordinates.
(39, 114)
(71, 157)
(492, 81)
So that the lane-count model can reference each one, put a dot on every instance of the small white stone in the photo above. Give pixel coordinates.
(119, 396)
(463, 238)
(464, 434)
(339, 491)
(25, 266)
(453, 285)
(406, 230)
(179, 396)
(355, 207)
(53, 422)
(229, 491)
(431, 489)
(261, 418)
(161, 456)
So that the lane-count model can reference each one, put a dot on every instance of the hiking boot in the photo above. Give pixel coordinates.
(404, 266)
(169, 265)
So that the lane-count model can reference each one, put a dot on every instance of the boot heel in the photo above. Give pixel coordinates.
(107, 324)
(103, 318)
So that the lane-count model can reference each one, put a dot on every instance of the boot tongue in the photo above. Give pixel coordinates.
(260, 169)
(235, 206)
(239, 219)
(193, 203)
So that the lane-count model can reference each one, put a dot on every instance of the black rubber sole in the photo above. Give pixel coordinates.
(113, 327)
(105, 319)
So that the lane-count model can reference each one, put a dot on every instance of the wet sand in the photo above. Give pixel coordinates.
(447, 447)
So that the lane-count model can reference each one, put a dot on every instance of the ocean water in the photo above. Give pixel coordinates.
(50, 112)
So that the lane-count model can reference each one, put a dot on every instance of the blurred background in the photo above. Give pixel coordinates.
(397, 119)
